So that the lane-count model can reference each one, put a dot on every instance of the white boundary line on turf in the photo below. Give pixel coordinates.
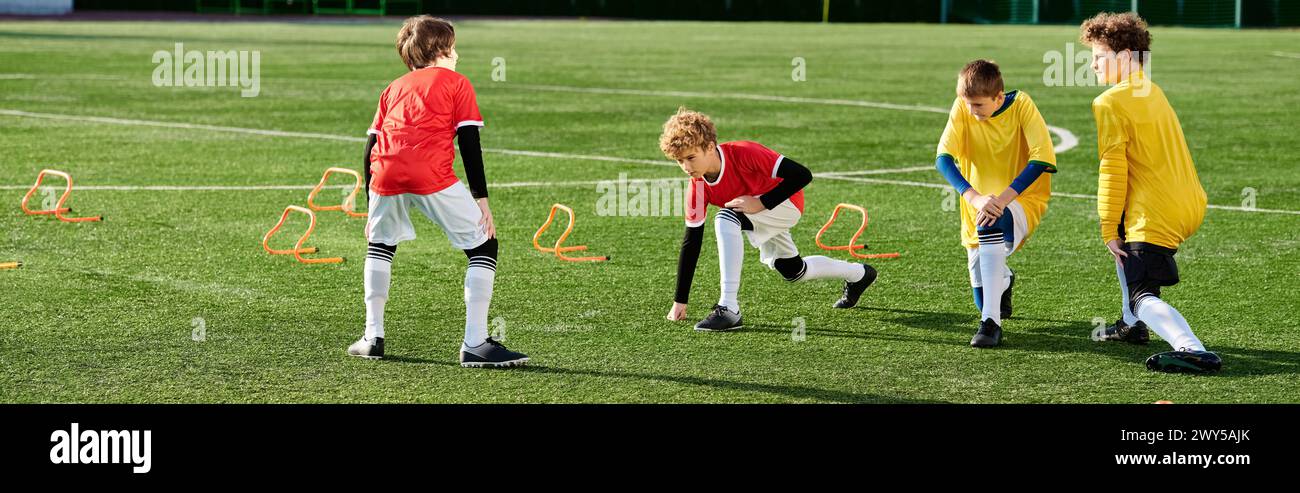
(941, 186)
(837, 174)
(60, 77)
(278, 133)
(311, 135)
(1068, 139)
(1283, 54)
(304, 135)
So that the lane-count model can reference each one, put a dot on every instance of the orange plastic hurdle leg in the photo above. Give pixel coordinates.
(853, 245)
(349, 203)
(298, 249)
(559, 249)
(10, 265)
(58, 209)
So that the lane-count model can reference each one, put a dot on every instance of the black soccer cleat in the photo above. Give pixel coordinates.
(1006, 297)
(721, 319)
(490, 354)
(1120, 331)
(367, 348)
(853, 290)
(1184, 362)
(989, 335)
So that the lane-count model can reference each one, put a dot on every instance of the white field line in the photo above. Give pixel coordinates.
(844, 176)
(60, 77)
(1284, 54)
(1054, 194)
(875, 171)
(1068, 139)
(302, 135)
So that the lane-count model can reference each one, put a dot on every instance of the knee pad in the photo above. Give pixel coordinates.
(790, 268)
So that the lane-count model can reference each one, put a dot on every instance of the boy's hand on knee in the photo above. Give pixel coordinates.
(748, 204)
(980, 202)
(993, 206)
(677, 312)
(988, 209)
(486, 223)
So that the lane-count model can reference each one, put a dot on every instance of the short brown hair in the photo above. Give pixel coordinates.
(980, 78)
(686, 131)
(423, 39)
(1117, 32)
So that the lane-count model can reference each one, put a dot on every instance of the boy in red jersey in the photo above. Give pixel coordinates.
(409, 156)
(760, 195)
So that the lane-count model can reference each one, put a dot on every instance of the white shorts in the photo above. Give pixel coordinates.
(1019, 230)
(452, 209)
(771, 233)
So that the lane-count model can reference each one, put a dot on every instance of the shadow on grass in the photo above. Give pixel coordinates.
(789, 391)
(1069, 336)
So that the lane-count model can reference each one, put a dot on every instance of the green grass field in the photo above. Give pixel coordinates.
(103, 312)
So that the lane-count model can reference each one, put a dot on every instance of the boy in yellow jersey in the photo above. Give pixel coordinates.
(1148, 194)
(995, 151)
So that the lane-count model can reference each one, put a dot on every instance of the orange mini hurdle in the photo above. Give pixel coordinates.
(349, 202)
(10, 265)
(853, 245)
(559, 249)
(59, 210)
(298, 249)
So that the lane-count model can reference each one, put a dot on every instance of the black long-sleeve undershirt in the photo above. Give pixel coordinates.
(690, 255)
(371, 139)
(471, 152)
(794, 177)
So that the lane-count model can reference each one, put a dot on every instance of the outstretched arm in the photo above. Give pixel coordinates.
(686, 263)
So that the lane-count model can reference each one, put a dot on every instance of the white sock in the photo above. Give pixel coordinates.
(731, 254)
(479, 278)
(993, 272)
(1129, 318)
(1168, 323)
(820, 267)
(378, 274)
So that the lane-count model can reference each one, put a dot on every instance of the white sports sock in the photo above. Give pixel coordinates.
(1129, 318)
(1168, 323)
(731, 254)
(993, 271)
(479, 278)
(820, 267)
(378, 274)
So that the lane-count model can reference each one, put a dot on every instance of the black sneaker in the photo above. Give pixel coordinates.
(853, 290)
(1184, 362)
(367, 348)
(490, 354)
(1006, 297)
(721, 320)
(1120, 331)
(989, 335)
